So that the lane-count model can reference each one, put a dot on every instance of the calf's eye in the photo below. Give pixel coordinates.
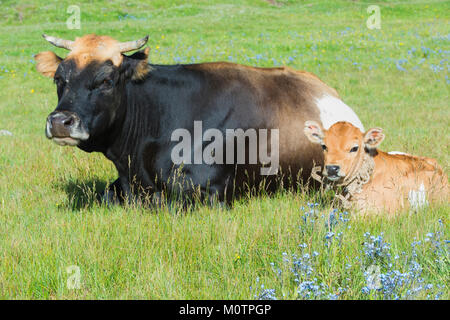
(354, 149)
(324, 147)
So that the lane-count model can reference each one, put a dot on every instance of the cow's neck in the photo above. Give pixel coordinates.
(138, 119)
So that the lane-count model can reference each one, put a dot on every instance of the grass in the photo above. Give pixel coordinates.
(395, 78)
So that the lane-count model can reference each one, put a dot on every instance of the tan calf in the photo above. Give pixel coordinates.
(373, 180)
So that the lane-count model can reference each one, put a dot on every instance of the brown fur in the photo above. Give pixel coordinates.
(47, 62)
(305, 76)
(87, 49)
(394, 176)
(91, 48)
(142, 68)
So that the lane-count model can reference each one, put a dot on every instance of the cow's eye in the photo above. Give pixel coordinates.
(103, 84)
(107, 82)
(354, 149)
(324, 147)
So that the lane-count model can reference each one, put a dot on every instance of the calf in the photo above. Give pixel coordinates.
(373, 180)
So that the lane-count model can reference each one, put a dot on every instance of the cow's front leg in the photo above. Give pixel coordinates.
(119, 192)
(113, 194)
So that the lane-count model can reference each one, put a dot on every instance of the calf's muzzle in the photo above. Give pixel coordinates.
(332, 171)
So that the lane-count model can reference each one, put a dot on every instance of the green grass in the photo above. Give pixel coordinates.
(48, 220)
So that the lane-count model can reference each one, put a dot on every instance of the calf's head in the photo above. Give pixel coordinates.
(90, 85)
(344, 146)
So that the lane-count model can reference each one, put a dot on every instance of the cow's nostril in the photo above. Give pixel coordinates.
(61, 124)
(68, 122)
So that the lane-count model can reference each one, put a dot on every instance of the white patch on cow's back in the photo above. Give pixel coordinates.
(418, 198)
(333, 110)
(398, 152)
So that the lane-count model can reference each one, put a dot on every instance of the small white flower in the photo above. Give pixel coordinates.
(5, 133)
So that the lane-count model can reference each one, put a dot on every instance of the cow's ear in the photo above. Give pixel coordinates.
(373, 137)
(136, 66)
(314, 132)
(47, 62)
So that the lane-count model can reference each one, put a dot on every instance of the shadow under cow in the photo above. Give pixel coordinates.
(82, 194)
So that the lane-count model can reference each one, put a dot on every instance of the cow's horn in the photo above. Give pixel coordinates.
(58, 42)
(132, 45)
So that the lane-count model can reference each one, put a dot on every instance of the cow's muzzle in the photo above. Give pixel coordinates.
(333, 172)
(65, 128)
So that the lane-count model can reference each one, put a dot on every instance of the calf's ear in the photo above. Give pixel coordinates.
(373, 137)
(136, 66)
(47, 62)
(314, 132)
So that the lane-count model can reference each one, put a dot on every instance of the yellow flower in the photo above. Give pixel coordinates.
(157, 47)
(32, 91)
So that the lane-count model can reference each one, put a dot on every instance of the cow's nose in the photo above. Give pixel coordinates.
(332, 170)
(61, 123)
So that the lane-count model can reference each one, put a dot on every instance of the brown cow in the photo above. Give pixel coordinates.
(373, 180)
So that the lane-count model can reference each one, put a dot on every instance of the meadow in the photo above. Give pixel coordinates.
(57, 242)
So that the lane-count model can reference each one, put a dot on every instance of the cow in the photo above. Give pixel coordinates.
(135, 113)
(374, 181)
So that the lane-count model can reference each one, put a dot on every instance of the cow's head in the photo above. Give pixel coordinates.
(344, 146)
(90, 85)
